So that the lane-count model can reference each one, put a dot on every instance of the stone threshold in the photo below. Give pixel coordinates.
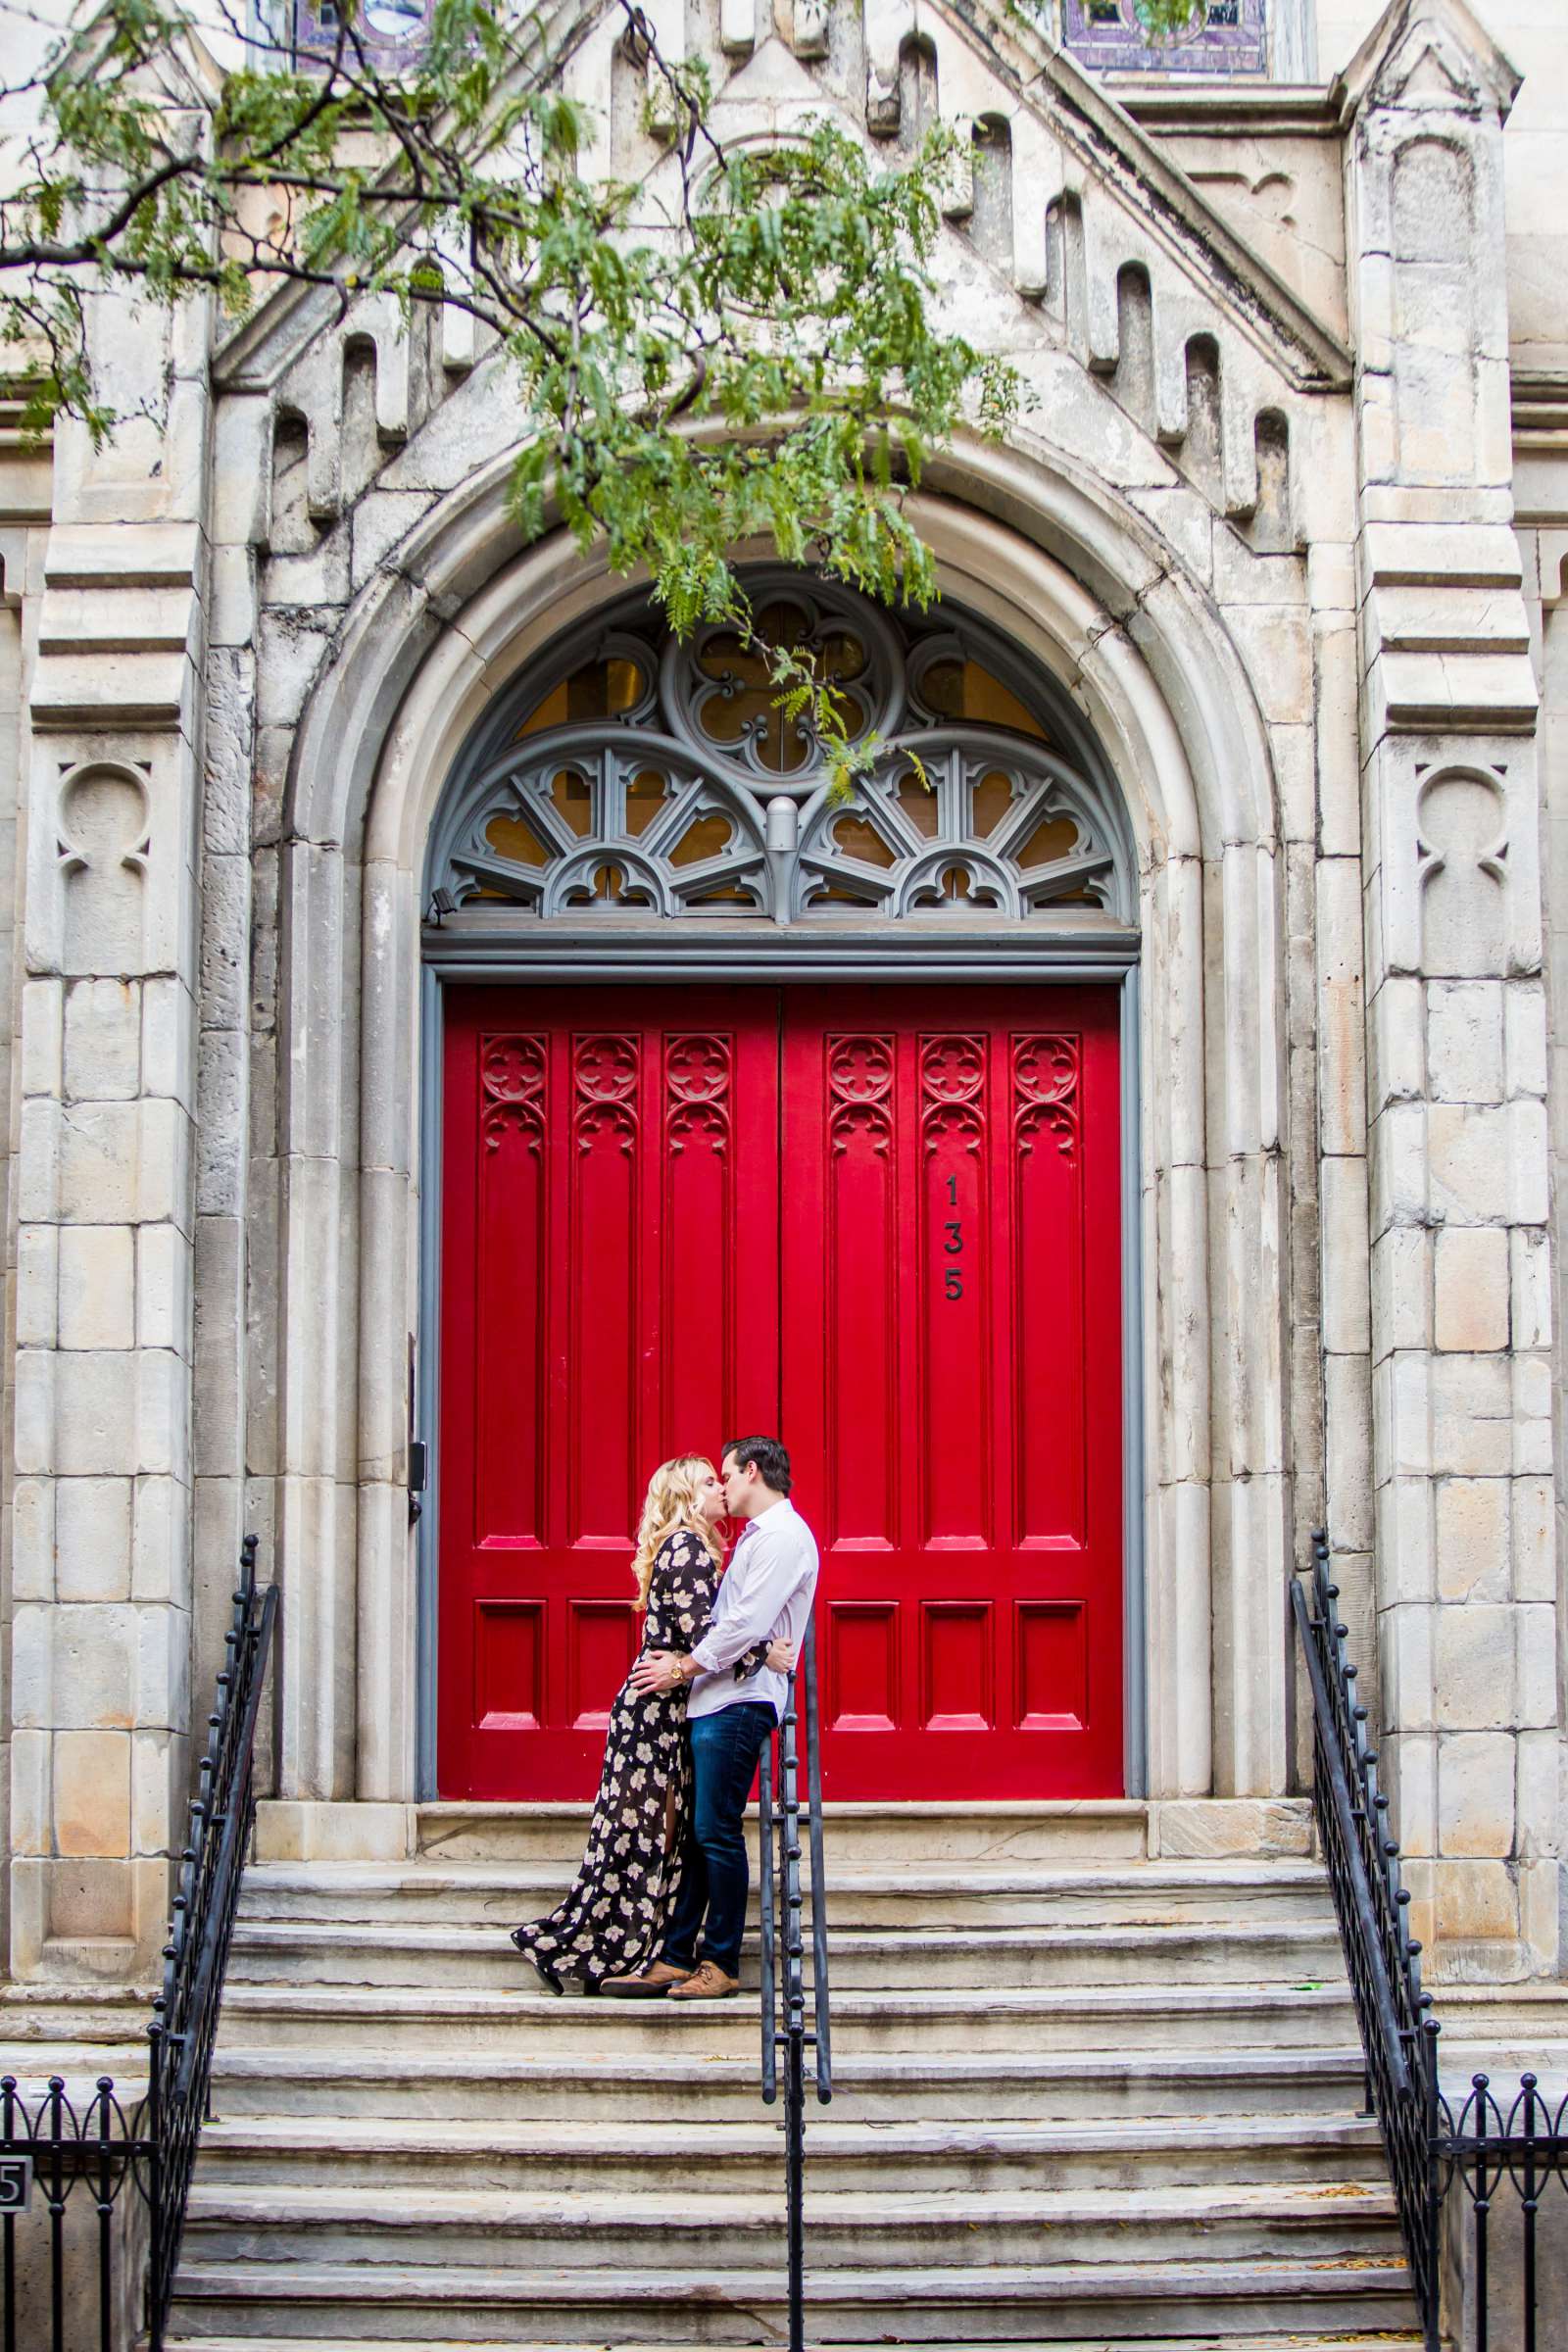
(1189, 1828)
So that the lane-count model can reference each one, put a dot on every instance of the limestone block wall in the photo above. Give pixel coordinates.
(1461, 1156)
(101, 1521)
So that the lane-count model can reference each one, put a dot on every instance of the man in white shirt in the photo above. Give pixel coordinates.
(765, 1595)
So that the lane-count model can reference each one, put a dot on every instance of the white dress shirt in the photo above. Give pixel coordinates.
(765, 1595)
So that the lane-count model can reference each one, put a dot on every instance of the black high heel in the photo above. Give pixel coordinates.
(547, 1974)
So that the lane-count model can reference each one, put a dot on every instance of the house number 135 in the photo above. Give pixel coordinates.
(953, 1247)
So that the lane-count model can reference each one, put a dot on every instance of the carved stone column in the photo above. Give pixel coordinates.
(108, 1038)
(1456, 1010)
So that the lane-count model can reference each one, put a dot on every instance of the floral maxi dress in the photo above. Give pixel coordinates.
(611, 1917)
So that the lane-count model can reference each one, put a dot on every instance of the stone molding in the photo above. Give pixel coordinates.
(1425, 53)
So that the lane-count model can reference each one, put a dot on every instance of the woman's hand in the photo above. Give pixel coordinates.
(781, 1656)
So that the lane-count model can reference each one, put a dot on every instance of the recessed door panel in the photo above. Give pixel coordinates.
(509, 1664)
(859, 1242)
(861, 1654)
(958, 1666)
(601, 1644)
(606, 1153)
(1052, 1666)
(508, 1177)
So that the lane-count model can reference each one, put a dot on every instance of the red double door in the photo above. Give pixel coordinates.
(882, 1222)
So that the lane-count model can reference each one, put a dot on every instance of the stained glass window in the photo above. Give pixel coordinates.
(1122, 36)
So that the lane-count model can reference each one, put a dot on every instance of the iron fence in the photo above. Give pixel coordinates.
(1496, 2290)
(131, 2167)
(69, 2273)
(781, 1904)
(1440, 2161)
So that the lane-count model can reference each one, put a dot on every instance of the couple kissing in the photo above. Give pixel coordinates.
(658, 1908)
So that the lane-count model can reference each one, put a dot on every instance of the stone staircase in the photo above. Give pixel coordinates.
(1082, 2098)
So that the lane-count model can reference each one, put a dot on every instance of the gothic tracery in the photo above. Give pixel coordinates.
(638, 773)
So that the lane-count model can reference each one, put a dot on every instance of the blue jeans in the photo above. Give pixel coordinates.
(714, 1879)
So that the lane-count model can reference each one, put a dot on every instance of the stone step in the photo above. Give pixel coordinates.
(1039, 2303)
(435, 2019)
(931, 1895)
(1080, 2343)
(295, 2151)
(1082, 2098)
(111, 2017)
(725, 2230)
(526, 2088)
(995, 1836)
(987, 1959)
(79, 2064)
(1384, 2339)
(1503, 2017)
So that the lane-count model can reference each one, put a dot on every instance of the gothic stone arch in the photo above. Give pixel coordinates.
(1075, 578)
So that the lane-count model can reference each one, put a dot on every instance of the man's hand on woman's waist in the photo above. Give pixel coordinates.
(664, 1670)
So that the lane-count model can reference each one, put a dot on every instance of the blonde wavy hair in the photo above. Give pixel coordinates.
(669, 1504)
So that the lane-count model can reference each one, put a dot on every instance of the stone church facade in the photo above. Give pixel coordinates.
(1282, 533)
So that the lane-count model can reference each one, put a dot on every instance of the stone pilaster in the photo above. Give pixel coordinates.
(1455, 1010)
(102, 1545)
(25, 501)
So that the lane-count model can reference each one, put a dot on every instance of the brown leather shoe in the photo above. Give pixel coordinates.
(706, 1982)
(647, 1984)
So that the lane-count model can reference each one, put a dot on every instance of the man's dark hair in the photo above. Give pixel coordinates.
(766, 1455)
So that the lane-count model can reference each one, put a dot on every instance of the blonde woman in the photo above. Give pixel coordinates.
(614, 1913)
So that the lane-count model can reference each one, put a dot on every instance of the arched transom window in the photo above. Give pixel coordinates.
(633, 773)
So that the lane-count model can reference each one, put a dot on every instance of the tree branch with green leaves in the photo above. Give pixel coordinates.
(736, 348)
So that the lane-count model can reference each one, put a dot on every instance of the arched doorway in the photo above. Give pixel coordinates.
(765, 1107)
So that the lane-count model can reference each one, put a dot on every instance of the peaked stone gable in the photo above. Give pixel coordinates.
(1432, 52)
(1089, 230)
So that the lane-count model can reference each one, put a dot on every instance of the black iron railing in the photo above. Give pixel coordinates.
(1381, 1956)
(781, 1903)
(1486, 2149)
(185, 2022)
(58, 2161)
